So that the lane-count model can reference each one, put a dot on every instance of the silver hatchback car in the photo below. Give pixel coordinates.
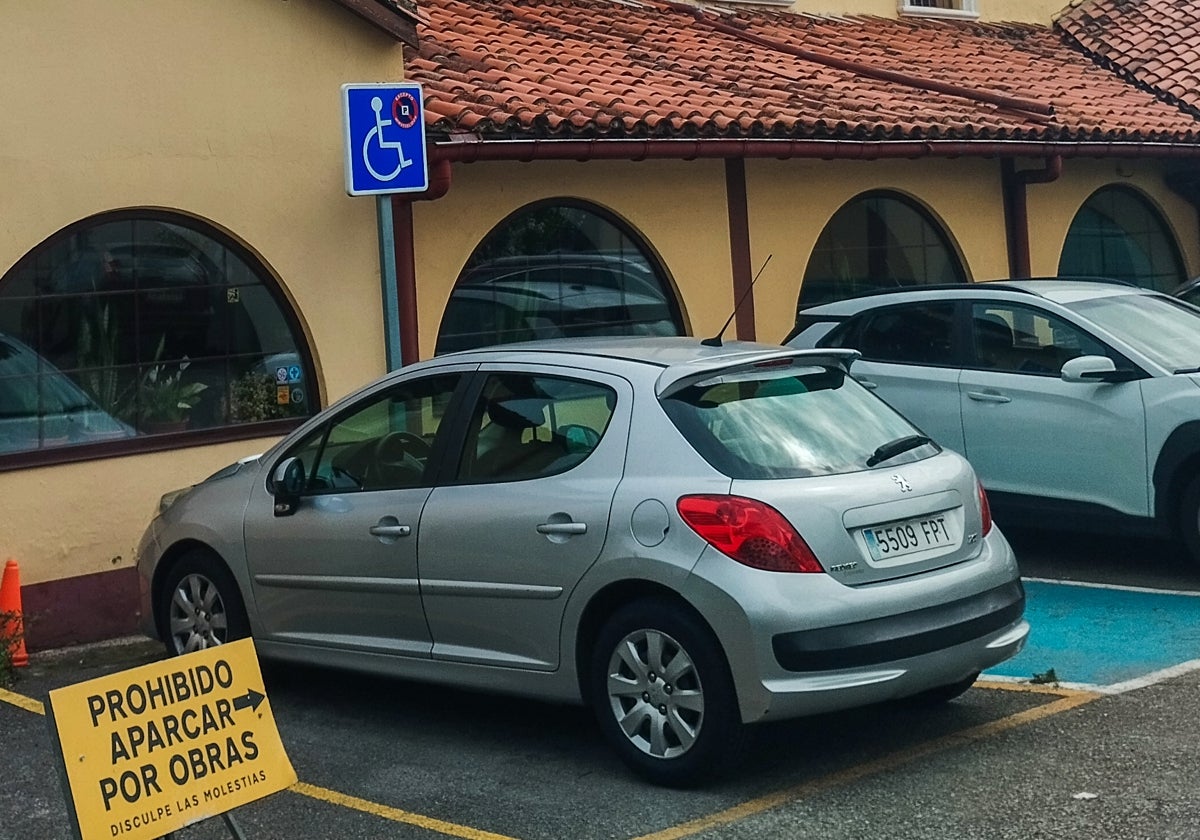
(688, 538)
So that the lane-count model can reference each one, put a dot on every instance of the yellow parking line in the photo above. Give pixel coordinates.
(1068, 699)
(22, 702)
(394, 814)
(870, 768)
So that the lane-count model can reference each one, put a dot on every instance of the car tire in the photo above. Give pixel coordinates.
(663, 695)
(200, 606)
(942, 694)
(1189, 520)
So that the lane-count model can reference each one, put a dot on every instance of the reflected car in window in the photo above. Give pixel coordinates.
(41, 407)
(1075, 400)
(557, 295)
(687, 538)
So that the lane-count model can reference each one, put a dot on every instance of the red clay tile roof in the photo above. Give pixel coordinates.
(562, 69)
(1155, 43)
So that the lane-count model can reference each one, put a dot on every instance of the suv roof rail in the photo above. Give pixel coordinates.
(1071, 278)
(1000, 281)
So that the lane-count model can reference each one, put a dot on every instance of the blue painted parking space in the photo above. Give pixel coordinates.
(1104, 636)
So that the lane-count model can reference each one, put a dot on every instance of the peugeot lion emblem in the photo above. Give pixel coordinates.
(904, 486)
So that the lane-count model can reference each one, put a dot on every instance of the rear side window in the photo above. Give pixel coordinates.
(788, 423)
(918, 334)
(527, 426)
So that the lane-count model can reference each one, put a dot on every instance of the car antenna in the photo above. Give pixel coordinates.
(715, 341)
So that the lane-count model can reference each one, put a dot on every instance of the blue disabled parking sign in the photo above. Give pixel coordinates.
(384, 130)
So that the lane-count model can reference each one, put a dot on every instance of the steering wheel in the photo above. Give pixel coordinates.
(398, 458)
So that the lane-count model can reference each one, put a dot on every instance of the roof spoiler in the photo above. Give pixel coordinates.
(678, 377)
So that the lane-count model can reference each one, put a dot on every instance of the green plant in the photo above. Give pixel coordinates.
(163, 396)
(8, 675)
(96, 355)
(253, 397)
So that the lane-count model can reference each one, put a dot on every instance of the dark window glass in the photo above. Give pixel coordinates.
(876, 241)
(1118, 234)
(554, 270)
(382, 445)
(788, 423)
(1018, 339)
(920, 334)
(532, 426)
(131, 324)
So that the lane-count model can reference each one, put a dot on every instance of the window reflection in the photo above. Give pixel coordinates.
(159, 323)
(1118, 234)
(875, 241)
(556, 270)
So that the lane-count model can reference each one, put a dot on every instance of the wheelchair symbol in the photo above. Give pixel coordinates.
(376, 135)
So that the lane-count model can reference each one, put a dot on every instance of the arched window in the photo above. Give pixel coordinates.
(878, 240)
(1118, 234)
(143, 329)
(557, 269)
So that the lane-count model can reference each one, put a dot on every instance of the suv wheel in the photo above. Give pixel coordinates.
(1189, 520)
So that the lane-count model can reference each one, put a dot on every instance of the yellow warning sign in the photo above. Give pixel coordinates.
(150, 750)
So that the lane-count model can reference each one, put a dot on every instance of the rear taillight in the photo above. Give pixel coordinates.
(985, 510)
(749, 531)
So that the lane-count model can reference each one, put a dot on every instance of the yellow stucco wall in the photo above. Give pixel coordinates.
(228, 110)
(679, 208)
(1053, 206)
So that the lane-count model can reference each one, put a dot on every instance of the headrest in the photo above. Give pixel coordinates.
(518, 412)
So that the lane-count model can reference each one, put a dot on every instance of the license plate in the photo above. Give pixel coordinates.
(896, 539)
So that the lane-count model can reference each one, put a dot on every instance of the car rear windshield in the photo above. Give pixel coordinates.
(789, 423)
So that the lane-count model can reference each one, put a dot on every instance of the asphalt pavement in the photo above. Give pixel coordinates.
(1109, 753)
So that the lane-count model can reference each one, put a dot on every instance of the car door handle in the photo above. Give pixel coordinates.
(988, 396)
(567, 528)
(868, 384)
(390, 530)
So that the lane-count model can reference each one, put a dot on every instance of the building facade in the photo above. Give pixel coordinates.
(183, 277)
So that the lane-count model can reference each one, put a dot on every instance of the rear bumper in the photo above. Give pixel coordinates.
(898, 637)
(818, 692)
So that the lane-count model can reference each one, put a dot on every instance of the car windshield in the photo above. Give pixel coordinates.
(1165, 330)
(791, 422)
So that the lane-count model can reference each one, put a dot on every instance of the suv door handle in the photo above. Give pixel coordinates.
(567, 528)
(867, 383)
(988, 396)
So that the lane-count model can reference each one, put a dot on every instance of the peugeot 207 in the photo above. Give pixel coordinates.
(688, 538)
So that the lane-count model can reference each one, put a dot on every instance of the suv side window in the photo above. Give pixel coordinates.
(918, 334)
(383, 444)
(1020, 339)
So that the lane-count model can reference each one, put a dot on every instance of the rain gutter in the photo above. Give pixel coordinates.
(1016, 210)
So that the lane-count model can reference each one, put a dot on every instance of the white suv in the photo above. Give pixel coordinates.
(1076, 401)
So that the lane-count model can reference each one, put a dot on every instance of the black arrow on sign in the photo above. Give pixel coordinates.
(251, 700)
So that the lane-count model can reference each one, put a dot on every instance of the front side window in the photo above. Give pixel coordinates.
(137, 324)
(554, 270)
(526, 426)
(1118, 234)
(789, 423)
(1018, 339)
(384, 444)
(918, 334)
(878, 241)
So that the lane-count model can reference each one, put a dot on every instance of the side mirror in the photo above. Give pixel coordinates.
(287, 483)
(1095, 369)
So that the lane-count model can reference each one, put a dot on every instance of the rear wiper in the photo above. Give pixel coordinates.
(894, 447)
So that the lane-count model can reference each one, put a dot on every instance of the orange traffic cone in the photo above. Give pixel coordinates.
(12, 622)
